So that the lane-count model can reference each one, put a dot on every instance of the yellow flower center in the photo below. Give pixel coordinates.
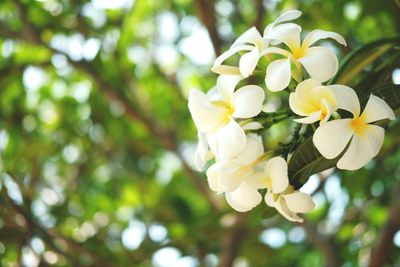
(298, 52)
(358, 125)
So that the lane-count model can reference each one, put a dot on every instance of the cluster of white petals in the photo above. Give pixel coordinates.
(228, 123)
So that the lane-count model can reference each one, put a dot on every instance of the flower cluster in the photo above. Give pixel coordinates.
(228, 122)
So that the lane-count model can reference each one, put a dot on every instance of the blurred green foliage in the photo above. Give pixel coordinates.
(96, 140)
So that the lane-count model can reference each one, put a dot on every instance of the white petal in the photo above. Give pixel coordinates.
(225, 176)
(248, 101)
(257, 180)
(231, 140)
(375, 135)
(213, 177)
(332, 137)
(253, 150)
(286, 16)
(278, 75)
(302, 101)
(251, 36)
(313, 117)
(320, 63)
(248, 62)
(225, 70)
(377, 109)
(226, 86)
(299, 202)
(326, 106)
(289, 33)
(269, 199)
(317, 35)
(280, 206)
(275, 50)
(212, 142)
(218, 61)
(252, 126)
(347, 98)
(202, 153)
(244, 198)
(277, 169)
(357, 155)
(204, 114)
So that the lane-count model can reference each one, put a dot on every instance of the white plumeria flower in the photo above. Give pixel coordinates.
(203, 152)
(280, 194)
(320, 62)
(216, 116)
(365, 139)
(227, 175)
(253, 43)
(314, 101)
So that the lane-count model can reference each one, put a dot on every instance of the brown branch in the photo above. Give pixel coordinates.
(206, 12)
(325, 244)
(233, 241)
(260, 14)
(384, 246)
(30, 32)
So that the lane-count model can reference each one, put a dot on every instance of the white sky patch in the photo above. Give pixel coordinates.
(166, 55)
(37, 245)
(81, 91)
(76, 47)
(167, 27)
(13, 189)
(71, 153)
(296, 235)
(198, 47)
(29, 258)
(339, 199)
(48, 112)
(166, 257)
(7, 48)
(187, 261)
(169, 163)
(34, 78)
(158, 232)
(274, 237)
(311, 185)
(396, 76)
(352, 10)
(133, 236)
(396, 239)
(97, 15)
(112, 4)
(224, 8)
(91, 48)
(4, 138)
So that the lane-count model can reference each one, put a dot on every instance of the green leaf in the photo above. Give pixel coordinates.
(305, 162)
(360, 58)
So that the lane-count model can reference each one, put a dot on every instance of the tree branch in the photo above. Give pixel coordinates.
(206, 12)
(233, 241)
(384, 246)
(260, 14)
(325, 244)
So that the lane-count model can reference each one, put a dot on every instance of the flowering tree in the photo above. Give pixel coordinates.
(98, 158)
